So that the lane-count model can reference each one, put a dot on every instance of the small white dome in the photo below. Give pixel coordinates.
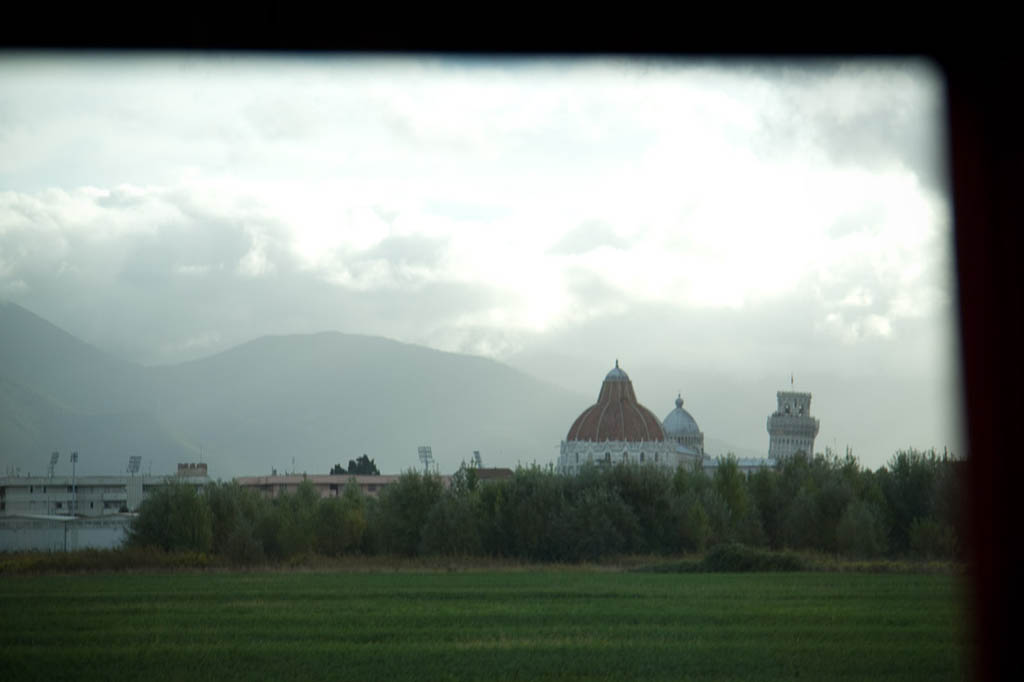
(679, 422)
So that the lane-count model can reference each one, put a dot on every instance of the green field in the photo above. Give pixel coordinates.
(569, 624)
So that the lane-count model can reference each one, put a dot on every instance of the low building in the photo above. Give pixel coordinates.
(746, 465)
(64, 513)
(326, 485)
(42, 533)
(493, 474)
(89, 496)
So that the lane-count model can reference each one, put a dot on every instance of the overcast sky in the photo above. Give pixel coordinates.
(751, 219)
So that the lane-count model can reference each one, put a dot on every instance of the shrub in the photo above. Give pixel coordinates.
(737, 558)
(859, 532)
(932, 539)
(174, 517)
(403, 508)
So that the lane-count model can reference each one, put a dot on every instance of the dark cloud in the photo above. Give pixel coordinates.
(891, 121)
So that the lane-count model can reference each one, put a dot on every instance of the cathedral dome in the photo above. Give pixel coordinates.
(617, 416)
(679, 422)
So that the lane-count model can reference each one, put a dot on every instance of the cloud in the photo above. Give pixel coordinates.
(587, 237)
(782, 215)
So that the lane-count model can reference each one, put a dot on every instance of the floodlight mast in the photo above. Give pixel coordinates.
(74, 486)
(133, 464)
(53, 462)
(426, 456)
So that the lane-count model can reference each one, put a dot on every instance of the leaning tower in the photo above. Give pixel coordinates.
(791, 428)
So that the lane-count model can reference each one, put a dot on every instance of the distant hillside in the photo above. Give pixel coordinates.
(32, 426)
(322, 399)
(327, 398)
(64, 369)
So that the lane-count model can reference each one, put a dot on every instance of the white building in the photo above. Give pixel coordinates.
(681, 429)
(791, 428)
(85, 495)
(746, 465)
(618, 429)
(61, 513)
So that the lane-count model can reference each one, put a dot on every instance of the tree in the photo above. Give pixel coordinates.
(859, 532)
(361, 466)
(341, 522)
(402, 510)
(288, 528)
(175, 517)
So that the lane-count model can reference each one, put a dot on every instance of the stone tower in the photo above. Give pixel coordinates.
(791, 428)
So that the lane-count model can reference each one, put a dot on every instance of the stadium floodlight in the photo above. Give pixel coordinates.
(133, 464)
(478, 462)
(74, 485)
(426, 456)
(53, 462)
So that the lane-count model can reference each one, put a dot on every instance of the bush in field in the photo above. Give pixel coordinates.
(287, 526)
(452, 528)
(859, 532)
(174, 517)
(597, 524)
(530, 504)
(402, 510)
(800, 522)
(242, 546)
(340, 522)
(908, 485)
(647, 493)
(737, 558)
(932, 539)
(731, 485)
(766, 496)
(235, 512)
(719, 517)
(453, 523)
(692, 527)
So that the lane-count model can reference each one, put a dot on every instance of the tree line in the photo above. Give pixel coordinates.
(912, 506)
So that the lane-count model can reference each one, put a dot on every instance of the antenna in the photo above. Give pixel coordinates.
(53, 462)
(426, 456)
(133, 464)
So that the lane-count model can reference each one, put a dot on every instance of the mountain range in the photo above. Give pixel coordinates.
(286, 403)
(306, 402)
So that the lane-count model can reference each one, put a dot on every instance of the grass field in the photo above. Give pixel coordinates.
(551, 625)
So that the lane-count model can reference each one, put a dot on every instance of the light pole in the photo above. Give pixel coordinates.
(74, 487)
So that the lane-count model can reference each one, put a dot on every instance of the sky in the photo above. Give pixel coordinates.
(745, 222)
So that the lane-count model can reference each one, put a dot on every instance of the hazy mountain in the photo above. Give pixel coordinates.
(64, 369)
(59, 393)
(320, 399)
(327, 398)
(32, 426)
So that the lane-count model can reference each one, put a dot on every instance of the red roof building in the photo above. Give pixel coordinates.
(616, 429)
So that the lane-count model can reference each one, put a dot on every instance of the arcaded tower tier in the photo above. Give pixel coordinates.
(791, 428)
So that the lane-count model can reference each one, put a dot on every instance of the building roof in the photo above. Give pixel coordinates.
(679, 422)
(616, 415)
(494, 474)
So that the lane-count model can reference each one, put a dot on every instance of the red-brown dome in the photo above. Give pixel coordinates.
(616, 415)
